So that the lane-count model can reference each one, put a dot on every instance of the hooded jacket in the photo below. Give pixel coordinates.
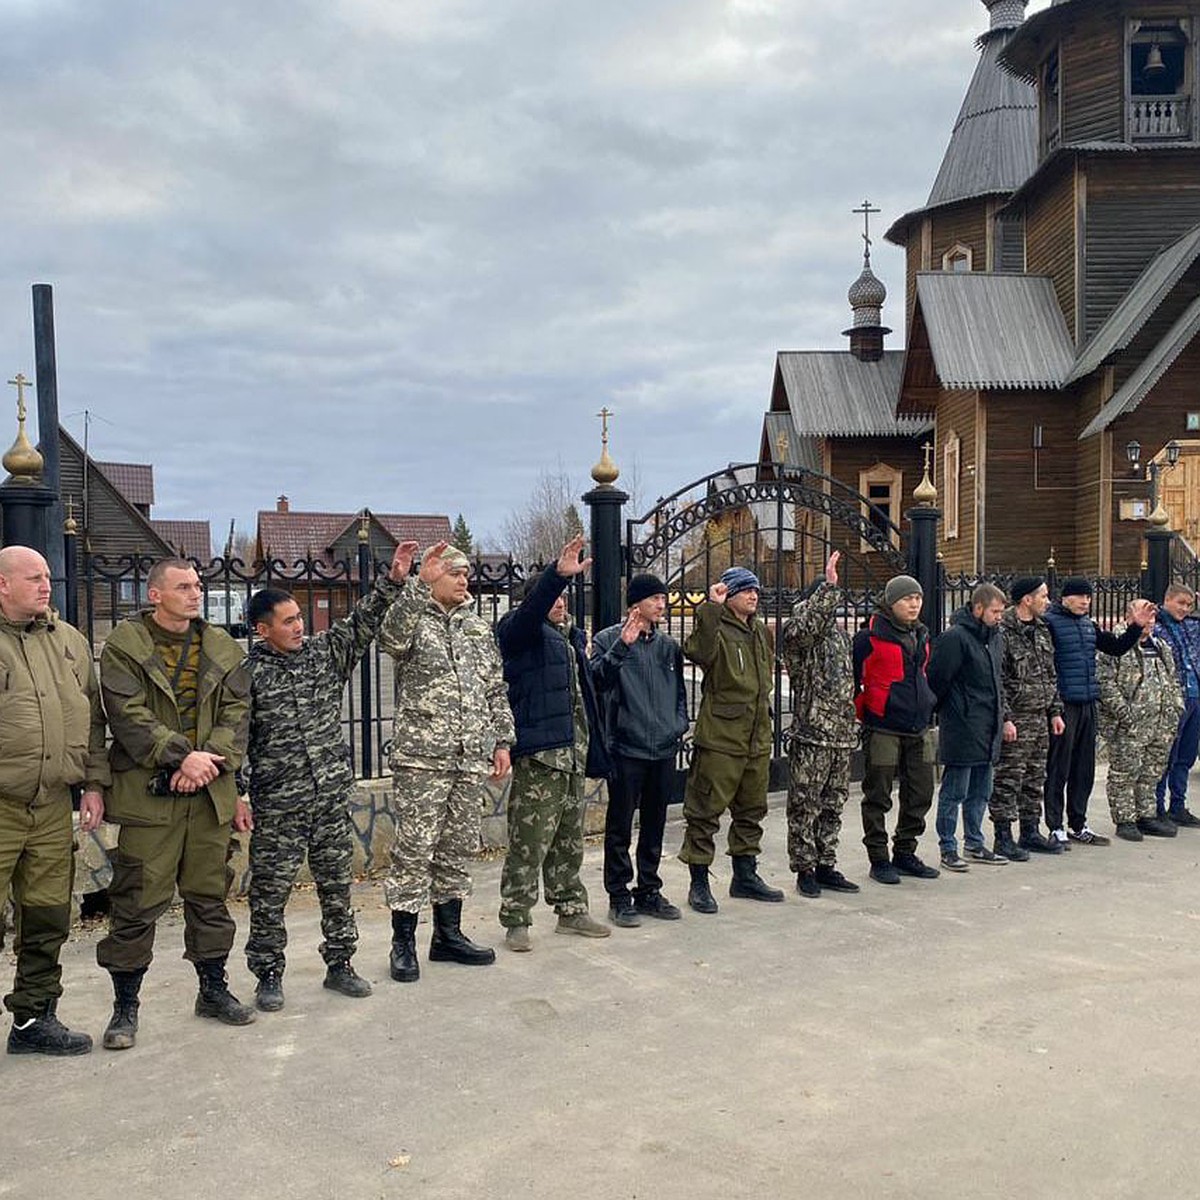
(889, 670)
(965, 675)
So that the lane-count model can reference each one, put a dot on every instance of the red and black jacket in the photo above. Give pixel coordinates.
(889, 669)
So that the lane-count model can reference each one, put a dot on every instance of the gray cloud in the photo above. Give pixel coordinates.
(399, 253)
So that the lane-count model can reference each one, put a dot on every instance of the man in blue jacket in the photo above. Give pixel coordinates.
(964, 672)
(554, 707)
(1180, 629)
(638, 671)
(1072, 763)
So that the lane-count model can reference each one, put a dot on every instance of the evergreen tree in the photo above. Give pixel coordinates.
(461, 536)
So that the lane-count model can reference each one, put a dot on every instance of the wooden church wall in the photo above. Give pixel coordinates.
(960, 225)
(957, 415)
(1092, 70)
(1029, 495)
(1050, 240)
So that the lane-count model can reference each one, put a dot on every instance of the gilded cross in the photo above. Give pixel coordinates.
(781, 445)
(867, 211)
(928, 449)
(604, 414)
(20, 383)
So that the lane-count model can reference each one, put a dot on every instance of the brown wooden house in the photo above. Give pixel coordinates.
(1053, 291)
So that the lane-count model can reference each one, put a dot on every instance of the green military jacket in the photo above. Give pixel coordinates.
(1140, 693)
(452, 706)
(820, 667)
(51, 722)
(739, 674)
(145, 722)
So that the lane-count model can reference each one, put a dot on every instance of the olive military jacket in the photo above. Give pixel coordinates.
(297, 745)
(452, 709)
(146, 728)
(739, 673)
(51, 722)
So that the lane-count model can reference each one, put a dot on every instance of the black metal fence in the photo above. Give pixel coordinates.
(108, 590)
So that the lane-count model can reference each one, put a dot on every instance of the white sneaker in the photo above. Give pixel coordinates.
(1060, 836)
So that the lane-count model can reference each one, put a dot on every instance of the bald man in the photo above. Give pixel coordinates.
(52, 731)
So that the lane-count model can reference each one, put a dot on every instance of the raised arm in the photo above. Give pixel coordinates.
(350, 638)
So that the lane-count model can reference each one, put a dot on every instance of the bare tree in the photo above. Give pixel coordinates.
(548, 520)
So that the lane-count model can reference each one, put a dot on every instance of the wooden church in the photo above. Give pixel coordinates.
(1052, 305)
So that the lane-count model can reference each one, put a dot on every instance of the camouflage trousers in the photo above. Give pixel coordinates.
(437, 834)
(323, 830)
(1020, 778)
(1136, 762)
(818, 787)
(545, 838)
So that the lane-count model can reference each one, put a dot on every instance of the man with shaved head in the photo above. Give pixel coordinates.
(52, 732)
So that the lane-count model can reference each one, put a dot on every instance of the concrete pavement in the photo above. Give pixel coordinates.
(1023, 1030)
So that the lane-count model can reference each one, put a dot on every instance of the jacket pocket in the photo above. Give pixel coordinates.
(729, 712)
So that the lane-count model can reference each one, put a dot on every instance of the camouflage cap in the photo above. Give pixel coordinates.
(455, 558)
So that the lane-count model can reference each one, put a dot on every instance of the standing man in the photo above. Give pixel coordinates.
(732, 760)
(554, 708)
(820, 667)
(964, 673)
(638, 671)
(1032, 714)
(895, 706)
(1180, 629)
(1072, 763)
(453, 731)
(301, 779)
(177, 694)
(1140, 706)
(52, 732)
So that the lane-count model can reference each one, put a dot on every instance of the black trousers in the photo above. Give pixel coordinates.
(640, 785)
(1072, 766)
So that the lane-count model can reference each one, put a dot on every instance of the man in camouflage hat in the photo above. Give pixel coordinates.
(453, 731)
(300, 777)
(820, 667)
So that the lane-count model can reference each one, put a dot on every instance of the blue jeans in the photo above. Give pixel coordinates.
(1183, 755)
(969, 788)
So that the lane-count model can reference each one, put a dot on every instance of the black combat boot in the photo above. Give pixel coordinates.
(215, 998)
(1032, 840)
(746, 883)
(268, 995)
(123, 1026)
(450, 944)
(44, 1033)
(403, 961)
(1005, 846)
(342, 977)
(700, 895)
(1157, 827)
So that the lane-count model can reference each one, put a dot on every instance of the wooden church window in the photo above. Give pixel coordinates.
(883, 486)
(951, 459)
(1159, 80)
(957, 258)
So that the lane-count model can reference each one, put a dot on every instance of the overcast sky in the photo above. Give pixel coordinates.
(399, 253)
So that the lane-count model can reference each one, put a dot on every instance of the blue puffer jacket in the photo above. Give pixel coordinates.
(537, 669)
(1076, 640)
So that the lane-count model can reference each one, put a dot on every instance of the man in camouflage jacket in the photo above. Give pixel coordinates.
(1140, 706)
(453, 731)
(301, 779)
(820, 667)
(1032, 713)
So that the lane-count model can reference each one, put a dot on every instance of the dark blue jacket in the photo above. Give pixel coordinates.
(1076, 640)
(537, 669)
(964, 672)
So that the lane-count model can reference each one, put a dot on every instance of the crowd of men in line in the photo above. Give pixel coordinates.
(195, 722)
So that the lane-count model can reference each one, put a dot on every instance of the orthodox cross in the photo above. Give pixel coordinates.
(20, 383)
(604, 414)
(867, 210)
(781, 444)
(928, 449)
